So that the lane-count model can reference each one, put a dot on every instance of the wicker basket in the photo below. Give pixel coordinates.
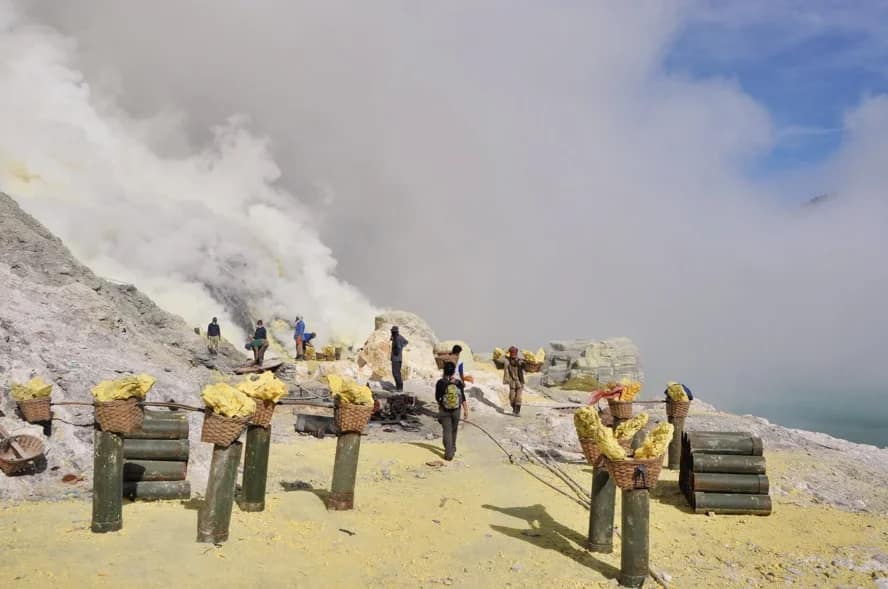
(441, 359)
(592, 452)
(11, 464)
(220, 430)
(36, 410)
(352, 418)
(677, 408)
(499, 364)
(532, 367)
(632, 474)
(620, 409)
(263, 414)
(120, 417)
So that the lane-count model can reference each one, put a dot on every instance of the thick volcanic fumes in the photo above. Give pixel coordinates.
(207, 232)
(512, 172)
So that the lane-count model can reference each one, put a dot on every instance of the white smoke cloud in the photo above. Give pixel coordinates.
(514, 172)
(195, 231)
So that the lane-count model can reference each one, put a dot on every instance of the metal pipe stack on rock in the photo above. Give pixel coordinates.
(724, 473)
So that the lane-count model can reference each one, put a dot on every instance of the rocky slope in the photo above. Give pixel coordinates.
(59, 320)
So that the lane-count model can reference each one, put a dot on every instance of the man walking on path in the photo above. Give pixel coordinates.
(513, 375)
(214, 336)
(299, 336)
(260, 343)
(460, 370)
(450, 395)
(398, 343)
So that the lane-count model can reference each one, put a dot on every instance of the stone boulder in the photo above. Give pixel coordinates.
(419, 357)
(604, 360)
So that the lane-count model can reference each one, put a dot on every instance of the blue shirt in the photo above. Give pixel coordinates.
(300, 329)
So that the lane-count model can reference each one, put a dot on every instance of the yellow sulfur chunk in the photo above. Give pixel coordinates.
(266, 387)
(629, 428)
(349, 391)
(656, 442)
(329, 351)
(631, 388)
(676, 392)
(534, 357)
(609, 445)
(587, 422)
(36, 388)
(498, 354)
(226, 400)
(123, 388)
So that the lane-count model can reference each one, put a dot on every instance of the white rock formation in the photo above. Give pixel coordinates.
(419, 357)
(58, 320)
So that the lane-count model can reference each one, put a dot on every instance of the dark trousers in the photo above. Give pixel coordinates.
(396, 374)
(449, 419)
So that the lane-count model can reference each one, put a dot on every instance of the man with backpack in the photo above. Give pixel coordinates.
(450, 395)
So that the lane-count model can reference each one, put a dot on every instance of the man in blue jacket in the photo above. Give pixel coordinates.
(299, 336)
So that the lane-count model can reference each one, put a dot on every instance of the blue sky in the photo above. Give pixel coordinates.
(808, 63)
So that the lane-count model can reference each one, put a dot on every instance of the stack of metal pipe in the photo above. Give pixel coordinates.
(724, 472)
(156, 458)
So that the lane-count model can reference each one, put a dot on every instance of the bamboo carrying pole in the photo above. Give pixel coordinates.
(345, 471)
(255, 468)
(635, 554)
(675, 444)
(107, 509)
(214, 517)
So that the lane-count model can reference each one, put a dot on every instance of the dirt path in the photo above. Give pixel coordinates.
(477, 522)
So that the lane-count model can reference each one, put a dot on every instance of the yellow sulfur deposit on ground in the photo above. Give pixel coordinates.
(587, 422)
(676, 392)
(631, 388)
(36, 388)
(629, 428)
(609, 445)
(656, 442)
(265, 386)
(535, 357)
(123, 388)
(329, 351)
(349, 391)
(226, 400)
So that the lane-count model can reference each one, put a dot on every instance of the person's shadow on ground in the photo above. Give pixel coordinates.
(478, 395)
(544, 532)
(436, 450)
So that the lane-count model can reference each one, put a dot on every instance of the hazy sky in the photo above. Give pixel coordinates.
(523, 171)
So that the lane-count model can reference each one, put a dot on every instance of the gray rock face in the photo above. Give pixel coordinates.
(59, 320)
(604, 360)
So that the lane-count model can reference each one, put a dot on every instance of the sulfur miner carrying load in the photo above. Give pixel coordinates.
(513, 377)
